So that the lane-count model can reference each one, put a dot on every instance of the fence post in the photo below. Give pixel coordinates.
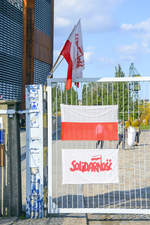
(14, 163)
(34, 151)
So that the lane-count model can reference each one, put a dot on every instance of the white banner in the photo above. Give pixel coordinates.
(89, 166)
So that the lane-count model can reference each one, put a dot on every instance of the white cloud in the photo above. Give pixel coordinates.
(129, 49)
(88, 56)
(143, 26)
(106, 60)
(128, 58)
(146, 45)
(62, 22)
(95, 14)
(141, 32)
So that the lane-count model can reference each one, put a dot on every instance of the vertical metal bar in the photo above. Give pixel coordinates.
(61, 93)
(49, 97)
(2, 183)
(145, 159)
(118, 117)
(97, 92)
(130, 178)
(133, 99)
(61, 101)
(86, 95)
(71, 94)
(128, 100)
(102, 94)
(67, 185)
(56, 150)
(140, 174)
(114, 197)
(112, 104)
(134, 156)
(91, 93)
(112, 93)
(108, 195)
(117, 96)
(108, 184)
(138, 97)
(107, 93)
(124, 153)
(76, 96)
(66, 96)
(80, 186)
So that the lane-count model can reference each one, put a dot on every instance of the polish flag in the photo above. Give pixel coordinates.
(89, 122)
(73, 54)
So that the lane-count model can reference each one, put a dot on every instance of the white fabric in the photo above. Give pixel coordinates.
(131, 136)
(89, 177)
(89, 114)
(76, 51)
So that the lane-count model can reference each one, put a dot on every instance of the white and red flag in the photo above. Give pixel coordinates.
(89, 122)
(89, 166)
(74, 55)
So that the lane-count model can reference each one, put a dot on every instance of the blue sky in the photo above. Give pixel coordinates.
(113, 31)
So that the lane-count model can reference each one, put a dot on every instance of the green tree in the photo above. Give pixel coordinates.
(119, 93)
(61, 96)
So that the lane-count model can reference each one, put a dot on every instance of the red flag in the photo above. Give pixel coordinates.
(73, 53)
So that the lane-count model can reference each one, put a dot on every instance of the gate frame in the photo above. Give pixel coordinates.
(52, 209)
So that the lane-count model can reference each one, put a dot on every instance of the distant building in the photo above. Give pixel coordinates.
(26, 45)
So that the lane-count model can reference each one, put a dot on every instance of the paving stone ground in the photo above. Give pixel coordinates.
(81, 219)
(140, 155)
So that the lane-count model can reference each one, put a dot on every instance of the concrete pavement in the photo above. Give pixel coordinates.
(81, 219)
(135, 155)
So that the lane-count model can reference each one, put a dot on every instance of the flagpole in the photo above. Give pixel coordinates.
(52, 70)
(58, 64)
(55, 67)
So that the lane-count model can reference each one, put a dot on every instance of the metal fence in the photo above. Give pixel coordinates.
(132, 193)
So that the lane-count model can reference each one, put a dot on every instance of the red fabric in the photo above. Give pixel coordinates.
(77, 84)
(66, 53)
(89, 131)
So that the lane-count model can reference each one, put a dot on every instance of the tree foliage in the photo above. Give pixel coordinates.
(123, 94)
(61, 96)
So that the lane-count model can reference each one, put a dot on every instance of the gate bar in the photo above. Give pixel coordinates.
(105, 79)
(49, 111)
(101, 211)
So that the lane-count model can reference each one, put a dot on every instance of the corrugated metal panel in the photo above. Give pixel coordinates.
(11, 44)
(41, 70)
(9, 91)
(17, 3)
(42, 15)
(42, 23)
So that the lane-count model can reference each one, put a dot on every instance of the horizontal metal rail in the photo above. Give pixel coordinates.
(101, 211)
(11, 112)
(103, 79)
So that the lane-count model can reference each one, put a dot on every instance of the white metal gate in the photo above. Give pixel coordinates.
(132, 193)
